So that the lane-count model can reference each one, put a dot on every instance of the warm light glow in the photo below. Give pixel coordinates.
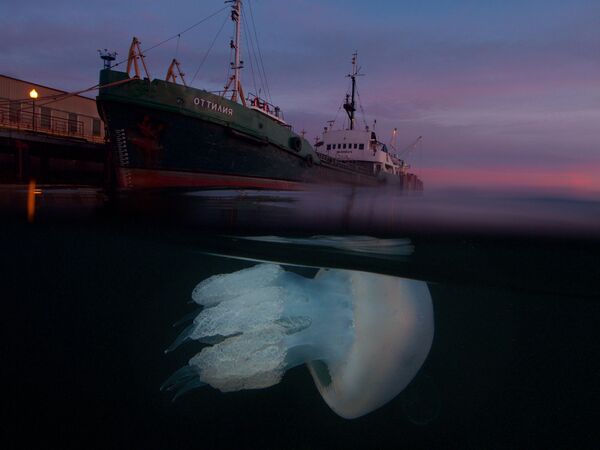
(578, 178)
(33, 94)
(31, 201)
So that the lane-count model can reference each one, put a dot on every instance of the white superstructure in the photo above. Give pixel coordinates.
(359, 146)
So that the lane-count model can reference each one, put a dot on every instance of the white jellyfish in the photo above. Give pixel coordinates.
(364, 336)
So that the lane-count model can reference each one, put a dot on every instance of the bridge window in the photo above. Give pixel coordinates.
(355, 146)
(344, 146)
(361, 146)
(328, 146)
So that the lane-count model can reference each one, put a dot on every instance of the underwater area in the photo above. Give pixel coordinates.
(490, 299)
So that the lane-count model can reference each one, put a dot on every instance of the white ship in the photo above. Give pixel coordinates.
(361, 149)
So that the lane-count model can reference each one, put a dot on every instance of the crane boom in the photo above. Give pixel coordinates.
(409, 147)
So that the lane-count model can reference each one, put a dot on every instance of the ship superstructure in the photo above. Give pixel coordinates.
(360, 147)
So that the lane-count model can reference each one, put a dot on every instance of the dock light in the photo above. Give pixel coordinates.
(33, 94)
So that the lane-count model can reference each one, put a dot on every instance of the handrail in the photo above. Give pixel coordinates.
(43, 124)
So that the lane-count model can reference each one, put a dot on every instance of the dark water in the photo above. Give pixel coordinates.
(90, 293)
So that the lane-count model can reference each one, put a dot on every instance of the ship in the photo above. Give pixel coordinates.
(166, 134)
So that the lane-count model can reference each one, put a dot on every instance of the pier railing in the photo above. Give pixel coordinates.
(44, 124)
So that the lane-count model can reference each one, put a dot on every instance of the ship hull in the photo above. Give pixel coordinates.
(165, 135)
(158, 178)
(158, 149)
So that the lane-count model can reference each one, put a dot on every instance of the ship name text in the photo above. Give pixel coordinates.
(213, 106)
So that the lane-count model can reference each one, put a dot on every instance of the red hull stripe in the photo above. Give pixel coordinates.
(147, 178)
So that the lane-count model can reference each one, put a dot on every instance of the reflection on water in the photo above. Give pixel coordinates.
(364, 336)
(357, 211)
(374, 211)
(354, 243)
(90, 287)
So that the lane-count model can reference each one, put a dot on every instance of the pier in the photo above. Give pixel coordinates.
(50, 136)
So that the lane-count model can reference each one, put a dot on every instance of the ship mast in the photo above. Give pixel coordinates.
(350, 105)
(234, 81)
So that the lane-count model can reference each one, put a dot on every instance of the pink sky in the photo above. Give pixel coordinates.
(574, 179)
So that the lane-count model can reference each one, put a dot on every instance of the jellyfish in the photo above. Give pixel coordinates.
(363, 336)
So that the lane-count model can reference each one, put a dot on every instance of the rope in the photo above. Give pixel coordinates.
(43, 101)
(268, 91)
(176, 35)
(341, 105)
(336, 115)
(362, 111)
(177, 46)
(209, 49)
(252, 55)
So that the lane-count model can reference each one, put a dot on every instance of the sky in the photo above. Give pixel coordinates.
(503, 92)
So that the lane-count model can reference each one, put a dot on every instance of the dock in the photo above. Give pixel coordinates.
(50, 136)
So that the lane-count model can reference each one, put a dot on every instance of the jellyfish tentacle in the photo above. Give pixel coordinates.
(187, 318)
(189, 386)
(184, 336)
(218, 287)
(249, 361)
(245, 312)
(181, 376)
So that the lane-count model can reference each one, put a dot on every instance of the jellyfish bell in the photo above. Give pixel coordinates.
(393, 333)
(364, 336)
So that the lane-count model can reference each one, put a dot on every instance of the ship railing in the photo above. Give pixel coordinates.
(350, 165)
(263, 106)
(23, 120)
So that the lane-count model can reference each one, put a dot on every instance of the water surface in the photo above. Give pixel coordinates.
(91, 290)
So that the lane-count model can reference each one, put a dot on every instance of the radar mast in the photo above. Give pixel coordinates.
(350, 105)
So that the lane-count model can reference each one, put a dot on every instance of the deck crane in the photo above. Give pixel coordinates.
(406, 150)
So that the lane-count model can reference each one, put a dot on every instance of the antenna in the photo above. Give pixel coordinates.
(107, 57)
(350, 105)
(394, 139)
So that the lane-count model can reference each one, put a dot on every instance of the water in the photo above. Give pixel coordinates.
(91, 292)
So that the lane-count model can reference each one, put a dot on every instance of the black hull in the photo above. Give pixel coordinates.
(155, 148)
